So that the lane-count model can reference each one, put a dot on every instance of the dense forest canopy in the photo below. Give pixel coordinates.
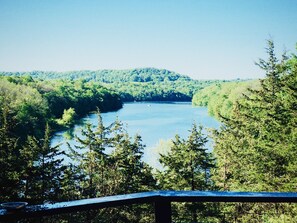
(143, 84)
(108, 76)
(221, 97)
(28, 103)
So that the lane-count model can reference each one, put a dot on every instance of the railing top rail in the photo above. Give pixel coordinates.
(229, 196)
(148, 197)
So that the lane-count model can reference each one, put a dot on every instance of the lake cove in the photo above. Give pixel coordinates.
(154, 121)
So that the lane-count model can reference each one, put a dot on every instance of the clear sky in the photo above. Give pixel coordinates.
(203, 39)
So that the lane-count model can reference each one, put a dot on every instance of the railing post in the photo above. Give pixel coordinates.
(162, 211)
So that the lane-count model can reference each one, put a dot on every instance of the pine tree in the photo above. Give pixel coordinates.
(121, 171)
(187, 167)
(10, 183)
(128, 173)
(92, 160)
(188, 163)
(134, 174)
(44, 169)
(255, 147)
(71, 183)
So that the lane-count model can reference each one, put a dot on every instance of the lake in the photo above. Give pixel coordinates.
(154, 121)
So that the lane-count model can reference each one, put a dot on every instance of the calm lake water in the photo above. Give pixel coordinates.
(153, 121)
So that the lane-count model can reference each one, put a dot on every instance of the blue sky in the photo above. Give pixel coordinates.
(203, 39)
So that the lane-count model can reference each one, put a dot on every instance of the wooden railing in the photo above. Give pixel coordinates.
(161, 199)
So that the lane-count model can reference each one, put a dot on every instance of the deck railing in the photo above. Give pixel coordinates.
(161, 199)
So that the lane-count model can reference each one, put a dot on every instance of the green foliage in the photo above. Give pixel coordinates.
(187, 166)
(44, 169)
(31, 169)
(9, 159)
(256, 147)
(108, 76)
(31, 103)
(120, 172)
(158, 91)
(25, 106)
(144, 84)
(187, 162)
(220, 98)
(162, 147)
(80, 95)
(67, 118)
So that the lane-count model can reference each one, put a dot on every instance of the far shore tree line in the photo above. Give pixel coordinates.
(254, 150)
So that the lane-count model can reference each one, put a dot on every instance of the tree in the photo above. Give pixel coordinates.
(92, 159)
(187, 166)
(255, 147)
(134, 174)
(44, 169)
(10, 173)
(129, 173)
(67, 118)
(26, 108)
(110, 163)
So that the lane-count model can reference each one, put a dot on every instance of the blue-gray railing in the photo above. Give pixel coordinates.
(161, 199)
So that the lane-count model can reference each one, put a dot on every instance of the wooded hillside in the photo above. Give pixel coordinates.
(143, 84)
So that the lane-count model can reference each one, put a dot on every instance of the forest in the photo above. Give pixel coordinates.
(143, 84)
(29, 104)
(254, 150)
(220, 98)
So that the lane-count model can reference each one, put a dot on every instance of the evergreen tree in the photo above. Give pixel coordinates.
(188, 163)
(70, 186)
(187, 167)
(129, 174)
(121, 171)
(44, 169)
(10, 184)
(92, 160)
(135, 175)
(255, 147)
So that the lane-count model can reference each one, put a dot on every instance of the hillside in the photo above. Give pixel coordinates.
(108, 76)
(221, 97)
(143, 84)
